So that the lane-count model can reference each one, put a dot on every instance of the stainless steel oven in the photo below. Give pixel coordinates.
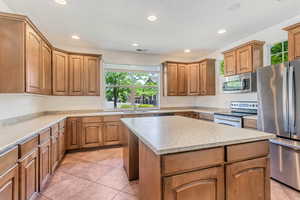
(240, 83)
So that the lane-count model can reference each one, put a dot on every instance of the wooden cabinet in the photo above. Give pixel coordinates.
(9, 175)
(293, 41)
(171, 79)
(250, 123)
(73, 134)
(194, 79)
(92, 134)
(92, 75)
(55, 154)
(244, 58)
(207, 184)
(112, 131)
(207, 77)
(62, 144)
(60, 79)
(45, 163)
(248, 179)
(46, 69)
(182, 79)
(33, 61)
(29, 169)
(76, 75)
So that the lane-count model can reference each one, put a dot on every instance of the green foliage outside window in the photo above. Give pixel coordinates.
(222, 67)
(279, 52)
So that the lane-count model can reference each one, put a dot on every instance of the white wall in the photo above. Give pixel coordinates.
(3, 7)
(270, 35)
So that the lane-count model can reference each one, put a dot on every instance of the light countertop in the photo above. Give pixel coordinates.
(174, 134)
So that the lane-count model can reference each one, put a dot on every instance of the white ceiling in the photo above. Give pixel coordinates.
(181, 24)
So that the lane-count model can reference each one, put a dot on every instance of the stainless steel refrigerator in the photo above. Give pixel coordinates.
(278, 90)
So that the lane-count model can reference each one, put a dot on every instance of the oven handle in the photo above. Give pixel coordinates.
(225, 124)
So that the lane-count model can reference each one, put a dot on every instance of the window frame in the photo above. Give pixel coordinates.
(282, 52)
(133, 87)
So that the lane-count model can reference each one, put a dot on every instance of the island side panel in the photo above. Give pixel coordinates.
(130, 145)
(150, 182)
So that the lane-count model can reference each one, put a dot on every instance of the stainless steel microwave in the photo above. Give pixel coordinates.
(240, 83)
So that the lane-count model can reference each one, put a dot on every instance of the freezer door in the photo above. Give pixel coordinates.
(294, 99)
(272, 93)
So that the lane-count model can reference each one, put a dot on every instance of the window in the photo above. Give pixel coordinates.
(128, 89)
(279, 52)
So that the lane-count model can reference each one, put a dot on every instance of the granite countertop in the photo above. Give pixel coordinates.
(174, 134)
(15, 133)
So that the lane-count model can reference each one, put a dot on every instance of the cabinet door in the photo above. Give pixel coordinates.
(45, 163)
(33, 61)
(76, 75)
(203, 80)
(248, 179)
(244, 59)
(92, 134)
(205, 184)
(171, 79)
(29, 176)
(73, 136)
(9, 184)
(60, 73)
(62, 145)
(194, 79)
(112, 133)
(294, 44)
(92, 76)
(54, 152)
(230, 63)
(46, 82)
(182, 80)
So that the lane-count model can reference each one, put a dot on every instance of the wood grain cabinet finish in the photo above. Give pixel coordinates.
(112, 131)
(171, 79)
(194, 79)
(182, 79)
(46, 69)
(73, 134)
(45, 165)
(205, 184)
(248, 179)
(62, 143)
(92, 75)
(76, 75)
(92, 135)
(207, 77)
(293, 41)
(244, 58)
(60, 76)
(55, 154)
(9, 184)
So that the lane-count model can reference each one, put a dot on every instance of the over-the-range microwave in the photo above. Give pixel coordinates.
(240, 83)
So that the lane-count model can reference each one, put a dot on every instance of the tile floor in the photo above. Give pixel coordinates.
(99, 175)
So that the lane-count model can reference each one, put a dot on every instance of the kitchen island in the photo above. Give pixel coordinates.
(178, 158)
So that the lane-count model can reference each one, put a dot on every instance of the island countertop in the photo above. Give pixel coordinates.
(174, 134)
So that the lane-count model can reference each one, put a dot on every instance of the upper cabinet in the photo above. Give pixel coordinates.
(189, 79)
(39, 68)
(244, 58)
(294, 41)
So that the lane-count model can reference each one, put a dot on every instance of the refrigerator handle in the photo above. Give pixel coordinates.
(292, 100)
(285, 100)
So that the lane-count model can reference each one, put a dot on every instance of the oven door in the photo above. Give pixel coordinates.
(228, 120)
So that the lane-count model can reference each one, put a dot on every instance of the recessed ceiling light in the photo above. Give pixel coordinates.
(135, 44)
(62, 2)
(152, 18)
(222, 31)
(75, 37)
(187, 51)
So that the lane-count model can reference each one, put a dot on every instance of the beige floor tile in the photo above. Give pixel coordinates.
(116, 179)
(132, 188)
(124, 196)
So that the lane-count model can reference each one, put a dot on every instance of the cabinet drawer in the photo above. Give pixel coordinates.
(247, 151)
(8, 159)
(44, 136)
(192, 160)
(206, 116)
(54, 130)
(28, 146)
(92, 119)
(62, 124)
(250, 123)
(114, 118)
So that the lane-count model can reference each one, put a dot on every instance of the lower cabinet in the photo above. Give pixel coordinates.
(9, 184)
(54, 152)
(29, 175)
(73, 134)
(207, 184)
(248, 179)
(45, 163)
(112, 133)
(92, 134)
(62, 144)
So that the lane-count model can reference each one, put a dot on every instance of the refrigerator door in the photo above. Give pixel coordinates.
(294, 99)
(272, 93)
